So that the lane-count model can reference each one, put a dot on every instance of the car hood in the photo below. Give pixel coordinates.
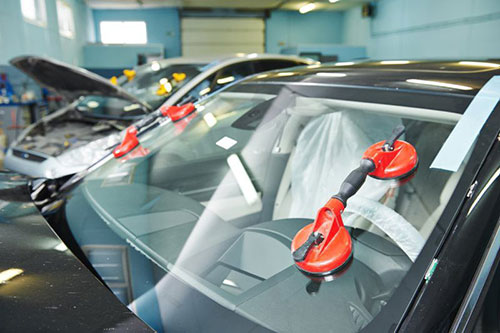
(70, 81)
(44, 286)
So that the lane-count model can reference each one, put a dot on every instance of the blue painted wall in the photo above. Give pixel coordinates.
(427, 29)
(99, 56)
(290, 28)
(19, 37)
(163, 25)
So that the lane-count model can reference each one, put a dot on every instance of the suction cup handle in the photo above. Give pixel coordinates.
(354, 180)
(396, 133)
(301, 253)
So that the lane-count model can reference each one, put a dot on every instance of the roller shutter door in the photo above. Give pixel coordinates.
(218, 36)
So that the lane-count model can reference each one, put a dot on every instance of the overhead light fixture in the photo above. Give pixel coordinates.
(439, 84)
(307, 8)
(9, 274)
(333, 1)
(225, 80)
(395, 62)
(479, 64)
(324, 74)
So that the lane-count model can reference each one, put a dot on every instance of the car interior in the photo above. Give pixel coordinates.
(220, 234)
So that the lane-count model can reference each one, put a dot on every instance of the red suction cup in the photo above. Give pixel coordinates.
(325, 246)
(129, 142)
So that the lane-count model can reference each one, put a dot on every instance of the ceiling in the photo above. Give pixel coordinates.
(229, 4)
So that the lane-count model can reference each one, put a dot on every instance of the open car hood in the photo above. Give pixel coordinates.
(70, 81)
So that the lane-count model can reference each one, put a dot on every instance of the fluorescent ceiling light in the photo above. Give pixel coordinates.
(395, 62)
(479, 64)
(345, 63)
(244, 182)
(225, 80)
(226, 142)
(307, 8)
(331, 74)
(210, 119)
(9, 274)
(439, 84)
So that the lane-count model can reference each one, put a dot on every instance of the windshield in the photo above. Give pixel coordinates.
(151, 84)
(206, 209)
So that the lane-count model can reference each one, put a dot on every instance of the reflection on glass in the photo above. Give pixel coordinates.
(439, 84)
(208, 215)
(9, 274)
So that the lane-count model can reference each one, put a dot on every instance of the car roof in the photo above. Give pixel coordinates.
(231, 58)
(455, 81)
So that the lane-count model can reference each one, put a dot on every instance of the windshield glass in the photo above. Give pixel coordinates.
(206, 209)
(151, 83)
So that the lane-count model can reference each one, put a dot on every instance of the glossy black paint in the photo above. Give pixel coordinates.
(464, 243)
(55, 292)
(374, 82)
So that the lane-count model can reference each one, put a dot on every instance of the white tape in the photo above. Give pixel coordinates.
(461, 139)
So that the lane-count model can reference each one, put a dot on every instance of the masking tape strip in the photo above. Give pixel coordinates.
(461, 139)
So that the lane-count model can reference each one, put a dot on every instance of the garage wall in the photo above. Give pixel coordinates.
(19, 37)
(427, 29)
(290, 28)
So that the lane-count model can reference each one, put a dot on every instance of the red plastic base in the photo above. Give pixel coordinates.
(129, 142)
(394, 164)
(178, 112)
(335, 251)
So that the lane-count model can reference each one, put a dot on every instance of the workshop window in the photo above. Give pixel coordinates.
(34, 11)
(123, 32)
(65, 19)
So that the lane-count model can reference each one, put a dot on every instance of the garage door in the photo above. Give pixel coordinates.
(215, 36)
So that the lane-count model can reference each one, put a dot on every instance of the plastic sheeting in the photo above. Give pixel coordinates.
(391, 223)
(328, 149)
(85, 155)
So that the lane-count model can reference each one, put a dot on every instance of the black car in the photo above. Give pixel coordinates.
(192, 227)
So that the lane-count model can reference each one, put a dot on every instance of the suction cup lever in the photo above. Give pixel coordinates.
(396, 133)
(300, 254)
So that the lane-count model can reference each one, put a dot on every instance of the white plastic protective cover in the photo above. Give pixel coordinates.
(89, 153)
(328, 149)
